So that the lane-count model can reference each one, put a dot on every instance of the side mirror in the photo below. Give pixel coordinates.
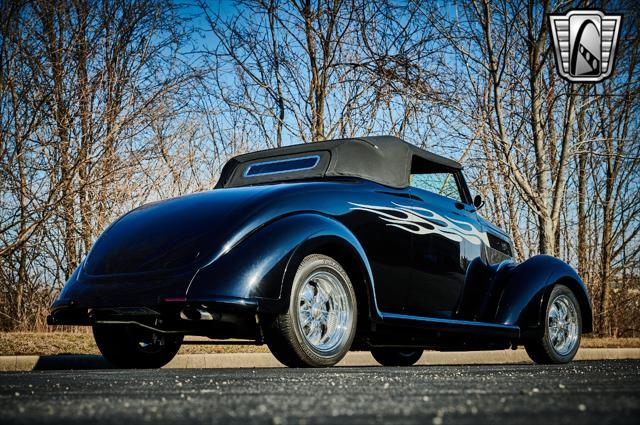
(478, 202)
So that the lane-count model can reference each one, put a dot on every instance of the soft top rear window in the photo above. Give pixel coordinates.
(281, 166)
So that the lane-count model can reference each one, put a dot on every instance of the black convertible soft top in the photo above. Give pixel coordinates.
(383, 159)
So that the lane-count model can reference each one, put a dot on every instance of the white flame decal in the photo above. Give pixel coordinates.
(423, 221)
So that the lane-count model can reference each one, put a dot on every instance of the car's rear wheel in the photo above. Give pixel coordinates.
(134, 347)
(319, 327)
(562, 329)
(392, 356)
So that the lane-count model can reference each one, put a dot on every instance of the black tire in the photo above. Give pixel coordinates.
(389, 356)
(543, 350)
(285, 334)
(134, 347)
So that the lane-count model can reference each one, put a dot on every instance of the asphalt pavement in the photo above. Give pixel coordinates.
(586, 392)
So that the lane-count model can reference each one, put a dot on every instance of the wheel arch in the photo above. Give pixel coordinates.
(350, 257)
(270, 257)
(529, 285)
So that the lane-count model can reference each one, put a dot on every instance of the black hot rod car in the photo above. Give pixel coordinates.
(316, 249)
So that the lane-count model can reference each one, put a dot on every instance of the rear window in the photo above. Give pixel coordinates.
(281, 166)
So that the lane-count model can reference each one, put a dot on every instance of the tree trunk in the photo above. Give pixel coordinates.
(84, 202)
(55, 47)
(276, 65)
(582, 189)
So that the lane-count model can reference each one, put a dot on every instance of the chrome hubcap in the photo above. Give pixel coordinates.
(325, 313)
(563, 325)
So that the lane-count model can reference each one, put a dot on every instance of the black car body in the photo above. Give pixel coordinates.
(425, 270)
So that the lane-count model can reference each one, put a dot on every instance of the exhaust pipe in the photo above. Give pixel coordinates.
(195, 314)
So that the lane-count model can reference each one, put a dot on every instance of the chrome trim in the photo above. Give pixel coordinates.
(450, 321)
(202, 314)
(277, 161)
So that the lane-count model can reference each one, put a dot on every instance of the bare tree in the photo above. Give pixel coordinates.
(80, 82)
(107, 105)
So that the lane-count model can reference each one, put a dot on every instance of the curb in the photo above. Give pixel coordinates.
(266, 360)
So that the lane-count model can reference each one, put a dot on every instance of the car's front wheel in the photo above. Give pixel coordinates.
(134, 347)
(319, 327)
(562, 329)
(391, 356)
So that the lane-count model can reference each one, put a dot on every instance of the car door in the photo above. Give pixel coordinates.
(372, 219)
(449, 240)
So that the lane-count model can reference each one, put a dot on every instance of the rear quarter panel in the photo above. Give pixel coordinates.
(257, 261)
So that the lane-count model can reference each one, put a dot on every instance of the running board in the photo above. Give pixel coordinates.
(451, 325)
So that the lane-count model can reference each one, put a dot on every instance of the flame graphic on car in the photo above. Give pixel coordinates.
(423, 221)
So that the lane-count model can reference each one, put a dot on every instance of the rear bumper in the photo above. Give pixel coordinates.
(215, 318)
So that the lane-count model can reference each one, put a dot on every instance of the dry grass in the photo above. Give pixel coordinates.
(50, 343)
(590, 342)
(42, 343)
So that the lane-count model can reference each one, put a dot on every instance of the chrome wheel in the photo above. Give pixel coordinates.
(320, 324)
(563, 325)
(325, 312)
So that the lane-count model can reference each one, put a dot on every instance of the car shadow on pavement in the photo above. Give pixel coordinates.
(62, 362)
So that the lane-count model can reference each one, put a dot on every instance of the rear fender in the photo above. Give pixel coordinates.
(262, 265)
(524, 297)
(345, 249)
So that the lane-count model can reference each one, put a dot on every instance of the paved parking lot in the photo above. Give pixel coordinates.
(596, 392)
